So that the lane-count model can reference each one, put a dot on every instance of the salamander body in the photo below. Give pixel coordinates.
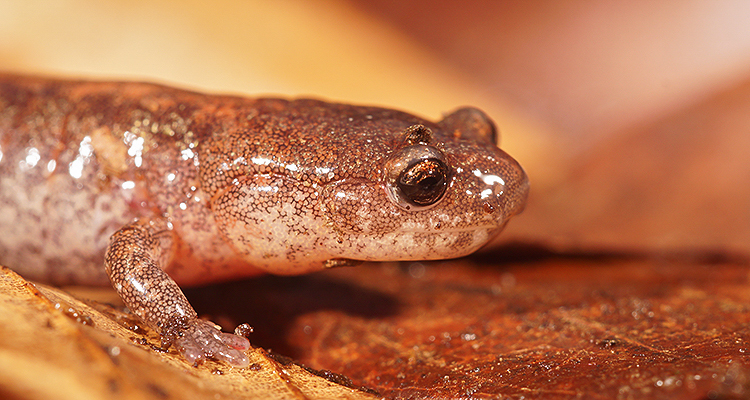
(143, 185)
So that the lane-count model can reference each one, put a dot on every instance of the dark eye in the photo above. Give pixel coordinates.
(417, 177)
(423, 182)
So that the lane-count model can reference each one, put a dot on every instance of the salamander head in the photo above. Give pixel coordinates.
(444, 192)
(306, 184)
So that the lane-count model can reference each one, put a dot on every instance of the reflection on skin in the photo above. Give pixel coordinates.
(85, 151)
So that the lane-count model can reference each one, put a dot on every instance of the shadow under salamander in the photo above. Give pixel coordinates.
(270, 304)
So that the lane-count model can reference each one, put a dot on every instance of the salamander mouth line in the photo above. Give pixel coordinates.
(452, 230)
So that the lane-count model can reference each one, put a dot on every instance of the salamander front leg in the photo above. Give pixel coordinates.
(134, 261)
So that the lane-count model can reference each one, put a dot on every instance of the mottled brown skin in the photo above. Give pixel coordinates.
(200, 188)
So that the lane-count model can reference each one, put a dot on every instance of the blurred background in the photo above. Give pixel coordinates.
(631, 118)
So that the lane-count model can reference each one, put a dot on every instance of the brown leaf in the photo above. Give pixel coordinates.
(556, 326)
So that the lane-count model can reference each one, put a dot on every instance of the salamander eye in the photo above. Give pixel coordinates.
(417, 177)
(423, 182)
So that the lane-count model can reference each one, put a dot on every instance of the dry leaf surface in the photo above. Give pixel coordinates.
(542, 326)
(55, 346)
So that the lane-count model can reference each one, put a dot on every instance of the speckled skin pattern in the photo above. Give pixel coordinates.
(160, 182)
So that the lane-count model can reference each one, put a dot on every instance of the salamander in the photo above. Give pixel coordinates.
(146, 187)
